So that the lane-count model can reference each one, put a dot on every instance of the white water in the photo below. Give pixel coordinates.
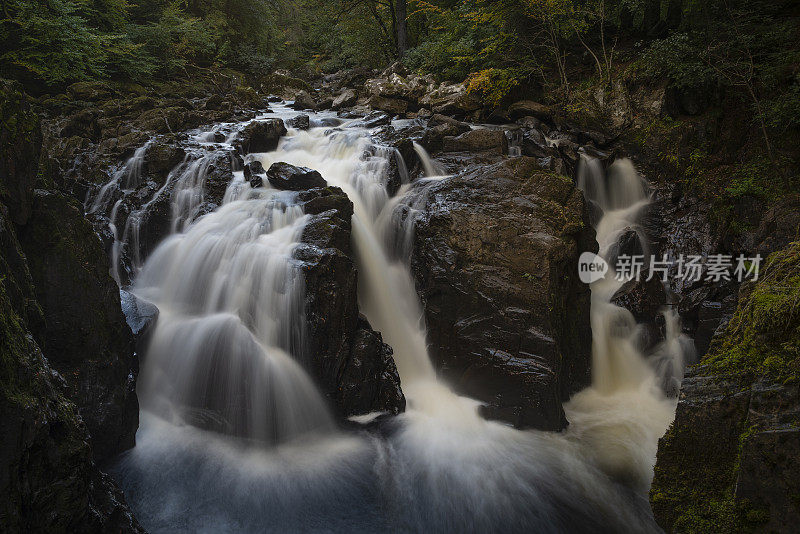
(221, 357)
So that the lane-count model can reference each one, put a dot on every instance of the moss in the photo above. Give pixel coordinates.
(763, 338)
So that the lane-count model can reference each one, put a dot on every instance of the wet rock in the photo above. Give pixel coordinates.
(285, 176)
(481, 140)
(48, 479)
(495, 255)
(300, 122)
(645, 299)
(304, 100)
(369, 381)
(141, 317)
(261, 136)
(352, 365)
(161, 157)
(375, 119)
(347, 98)
(253, 172)
(87, 339)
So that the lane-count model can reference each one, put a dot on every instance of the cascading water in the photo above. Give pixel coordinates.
(220, 358)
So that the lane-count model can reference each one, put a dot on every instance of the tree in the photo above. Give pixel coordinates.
(401, 27)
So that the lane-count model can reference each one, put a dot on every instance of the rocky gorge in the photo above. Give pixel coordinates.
(93, 188)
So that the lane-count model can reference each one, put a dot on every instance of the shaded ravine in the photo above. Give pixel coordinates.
(225, 343)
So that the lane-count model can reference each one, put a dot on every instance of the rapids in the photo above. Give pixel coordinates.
(230, 322)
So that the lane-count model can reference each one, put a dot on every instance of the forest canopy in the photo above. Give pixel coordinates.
(501, 47)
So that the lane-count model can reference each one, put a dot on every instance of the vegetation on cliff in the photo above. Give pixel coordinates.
(730, 459)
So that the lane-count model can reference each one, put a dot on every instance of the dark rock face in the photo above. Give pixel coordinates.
(301, 122)
(21, 139)
(261, 136)
(352, 365)
(285, 176)
(495, 260)
(370, 382)
(732, 456)
(48, 482)
(86, 337)
(48, 479)
(253, 172)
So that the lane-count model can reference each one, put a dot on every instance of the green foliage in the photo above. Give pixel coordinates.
(51, 42)
(492, 85)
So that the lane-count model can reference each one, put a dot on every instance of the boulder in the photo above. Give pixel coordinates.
(285, 176)
(451, 100)
(299, 122)
(495, 260)
(87, 338)
(347, 98)
(643, 298)
(253, 172)
(304, 100)
(395, 106)
(528, 108)
(480, 140)
(161, 157)
(352, 365)
(261, 136)
(448, 125)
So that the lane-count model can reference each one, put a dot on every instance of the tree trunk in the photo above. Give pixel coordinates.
(402, 31)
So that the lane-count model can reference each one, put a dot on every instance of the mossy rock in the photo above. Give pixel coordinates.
(729, 463)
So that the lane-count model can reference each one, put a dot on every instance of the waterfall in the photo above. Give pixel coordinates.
(621, 416)
(230, 303)
(430, 165)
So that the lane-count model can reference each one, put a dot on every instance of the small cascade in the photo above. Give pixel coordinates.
(514, 142)
(187, 194)
(126, 178)
(430, 166)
